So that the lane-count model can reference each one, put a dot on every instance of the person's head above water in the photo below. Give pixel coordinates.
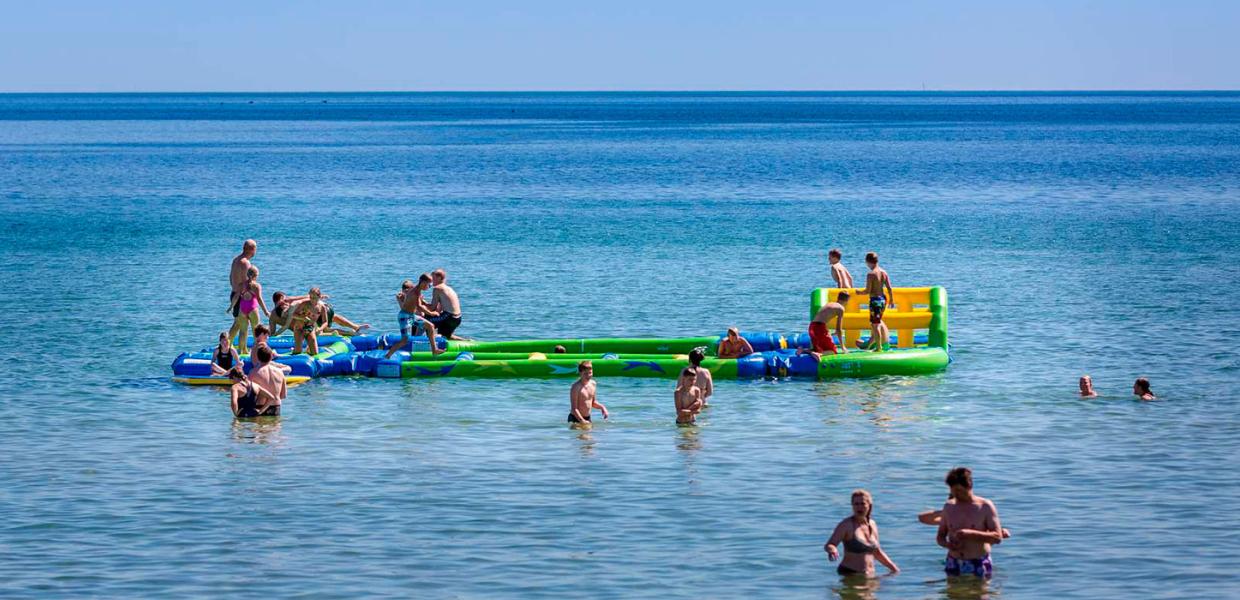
(862, 505)
(439, 276)
(688, 374)
(960, 481)
(263, 355)
(871, 258)
(236, 374)
(249, 248)
(696, 356)
(1141, 387)
(834, 255)
(1087, 386)
(424, 280)
(406, 285)
(560, 349)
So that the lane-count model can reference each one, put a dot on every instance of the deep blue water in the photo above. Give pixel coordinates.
(1076, 233)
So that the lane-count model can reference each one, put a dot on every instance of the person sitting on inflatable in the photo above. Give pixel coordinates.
(734, 346)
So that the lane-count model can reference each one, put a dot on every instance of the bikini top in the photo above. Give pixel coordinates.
(859, 547)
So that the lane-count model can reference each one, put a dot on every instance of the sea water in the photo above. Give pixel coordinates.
(1075, 233)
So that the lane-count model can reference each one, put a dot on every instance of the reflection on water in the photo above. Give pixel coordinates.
(857, 587)
(587, 443)
(258, 430)
(688, 439)
(967, 587)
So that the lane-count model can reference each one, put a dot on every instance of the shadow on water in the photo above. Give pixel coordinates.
(966, 587)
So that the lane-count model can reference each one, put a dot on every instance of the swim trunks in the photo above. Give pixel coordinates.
(820, 338)
(446, 324)
(409, 323)
(845, 571)
(271, 411)
(981, 567)
(573, 419)
(236, 306)
(878, 305)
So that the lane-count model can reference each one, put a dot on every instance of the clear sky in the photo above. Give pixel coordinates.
(262, 45)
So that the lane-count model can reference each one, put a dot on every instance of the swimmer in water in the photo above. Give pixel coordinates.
(1087, 387)
(705, 381)
(688, 397)
(269, 376)
(248, 400)
(262, 336)
(968, 525)
(839, 273)
(559, 350)
(733, 345)
(934, 517)
(583, 396)
(859, 534)
(1141, 389)
(225, 356)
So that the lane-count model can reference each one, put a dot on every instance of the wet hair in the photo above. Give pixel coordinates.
(424, 277)
(960, 476)
(1143, 384)
(695, 356)
(252, 272)
(261, 330)
(843, 295)
(236, 373)
(406, 284)
(560, 349)
(835, 252)
(868, 498)
(871, 257)
(263, 354)
(277, 296)
(583, 365)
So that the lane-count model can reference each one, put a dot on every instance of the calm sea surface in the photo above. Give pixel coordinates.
(1076, 233)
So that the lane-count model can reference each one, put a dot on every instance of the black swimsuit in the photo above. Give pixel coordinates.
(247, 405)
(225, 361)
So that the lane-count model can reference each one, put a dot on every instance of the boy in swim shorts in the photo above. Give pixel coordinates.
(583, 396)
(411, 317)
(819, 337)
(968, 525)
(878, 288)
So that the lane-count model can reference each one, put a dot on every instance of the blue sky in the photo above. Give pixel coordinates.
(259, 45)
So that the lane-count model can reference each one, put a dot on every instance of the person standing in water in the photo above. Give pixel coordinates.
(839, 273)
(705, 381)
(688, 397)
(859, 534)
(248, 400)
(878, 288)
(583, 396)
(1141, 388)
(1087, 387)
(968, 525)
(237, 272)
(445, 302)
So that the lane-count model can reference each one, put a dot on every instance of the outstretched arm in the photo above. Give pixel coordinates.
(830, 547)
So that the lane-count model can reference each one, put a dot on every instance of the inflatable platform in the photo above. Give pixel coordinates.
(918, 345)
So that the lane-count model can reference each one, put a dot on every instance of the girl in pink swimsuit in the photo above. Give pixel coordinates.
(250, 301)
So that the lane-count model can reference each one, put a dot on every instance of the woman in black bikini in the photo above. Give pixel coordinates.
(248, 400)
(225, 356)
(859, 533)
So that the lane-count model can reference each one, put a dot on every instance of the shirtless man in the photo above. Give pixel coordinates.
(1086, 384)
(304, 321)
(843, 279)
(583, 397)
(688, 397)
(967, 527)
(733, 345)
(878, 288)
(269, 376)
(413, 314)
(262, 337)
(705, 381)
(818, 334)
(445, 302)
(237, 274)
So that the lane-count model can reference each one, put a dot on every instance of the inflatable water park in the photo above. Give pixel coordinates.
(917, 345)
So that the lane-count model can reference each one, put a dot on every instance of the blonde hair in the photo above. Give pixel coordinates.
(868, 498)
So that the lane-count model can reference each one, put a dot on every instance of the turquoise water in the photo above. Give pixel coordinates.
(1076, 233)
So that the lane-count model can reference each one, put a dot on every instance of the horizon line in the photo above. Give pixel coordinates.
(656, 91)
